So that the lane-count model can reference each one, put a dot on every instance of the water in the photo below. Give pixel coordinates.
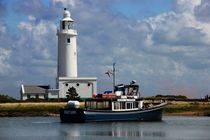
(50, 128)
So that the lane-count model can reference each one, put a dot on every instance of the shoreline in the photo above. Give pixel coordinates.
(48, 109)
(193, 114)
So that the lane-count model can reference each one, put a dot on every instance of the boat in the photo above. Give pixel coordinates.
(125, 104)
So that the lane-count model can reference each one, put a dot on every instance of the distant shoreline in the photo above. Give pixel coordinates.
(45, 109)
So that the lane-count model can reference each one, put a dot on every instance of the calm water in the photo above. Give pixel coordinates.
(50, 128)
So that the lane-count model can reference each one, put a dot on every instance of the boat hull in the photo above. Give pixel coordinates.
(138, 115)
(73, 115)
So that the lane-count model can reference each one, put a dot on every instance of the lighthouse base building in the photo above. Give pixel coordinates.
(85, 86)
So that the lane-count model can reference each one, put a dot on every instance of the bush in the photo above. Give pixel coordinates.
(6, 99)
(171, 97)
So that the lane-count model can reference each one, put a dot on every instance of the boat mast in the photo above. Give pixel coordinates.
(113, 76)
(112, 73)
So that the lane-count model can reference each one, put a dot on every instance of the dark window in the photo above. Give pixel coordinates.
(77, 84)
(63, 25)
(68, 40)
(37, 96)
(28, 96)
(129, 105)
(88, 84)
(67, 84)
(45, 96)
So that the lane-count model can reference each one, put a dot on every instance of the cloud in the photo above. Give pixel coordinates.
(202, 11)
(3, 28)
(65, 2)
(38, 35)
(5, 54)
(37, 9)
(29, 57)
(186, 5)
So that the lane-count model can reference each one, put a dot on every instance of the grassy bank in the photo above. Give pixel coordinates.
(187, 108)
(30, 109)
(52, 108)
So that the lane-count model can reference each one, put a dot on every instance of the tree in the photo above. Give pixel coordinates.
(72, 94)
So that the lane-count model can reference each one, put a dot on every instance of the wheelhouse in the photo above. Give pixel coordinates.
(127, 91)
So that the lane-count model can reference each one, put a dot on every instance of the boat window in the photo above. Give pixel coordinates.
(117, 105)
(132, 91)
(95, 105)
(123, 105)
(129, 105)
(135, 104)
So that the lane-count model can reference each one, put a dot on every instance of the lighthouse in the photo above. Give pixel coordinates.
(67, 76)
(67, 47)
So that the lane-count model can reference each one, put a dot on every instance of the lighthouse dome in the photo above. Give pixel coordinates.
(66, 15)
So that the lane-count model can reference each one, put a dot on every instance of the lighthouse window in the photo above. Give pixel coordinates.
(63, 25)
(68, 40)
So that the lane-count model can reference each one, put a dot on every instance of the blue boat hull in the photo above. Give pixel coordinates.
(79, 115)
(154, 114)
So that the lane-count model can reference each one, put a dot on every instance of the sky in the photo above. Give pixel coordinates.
(162, 44)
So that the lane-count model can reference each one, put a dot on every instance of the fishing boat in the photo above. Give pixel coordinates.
(124, 104)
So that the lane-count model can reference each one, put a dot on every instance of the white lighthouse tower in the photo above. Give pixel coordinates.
(67, 76)
(67, 47)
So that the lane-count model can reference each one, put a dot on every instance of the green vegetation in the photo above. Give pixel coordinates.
(167, 97)
(171, 97)
(188, 108)
(7, 99)
(30, 109)
(72, 94)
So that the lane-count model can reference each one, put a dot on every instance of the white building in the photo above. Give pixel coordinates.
(37, 92)
(67, 76)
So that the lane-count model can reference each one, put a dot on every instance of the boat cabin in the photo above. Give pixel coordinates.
(125, 98)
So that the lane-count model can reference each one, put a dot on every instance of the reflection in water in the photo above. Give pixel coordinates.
(126, 133)
(115, 131)
(50, 128)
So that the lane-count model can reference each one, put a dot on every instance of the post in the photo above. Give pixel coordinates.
(113, 76)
